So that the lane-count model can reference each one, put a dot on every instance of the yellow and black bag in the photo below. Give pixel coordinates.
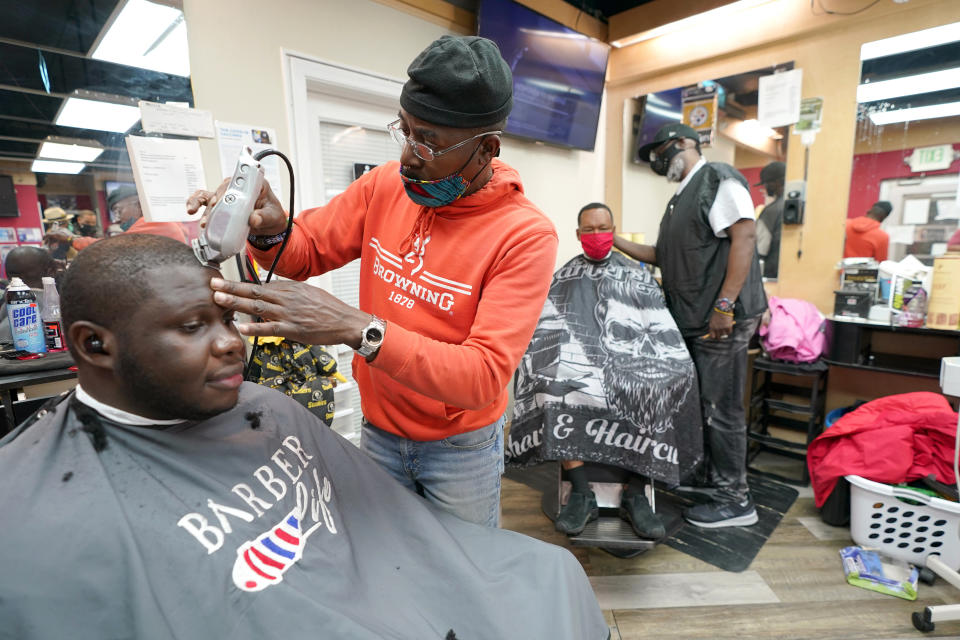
(306, 373)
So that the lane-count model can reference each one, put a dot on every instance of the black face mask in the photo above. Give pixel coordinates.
(87, 230)
(661, 163)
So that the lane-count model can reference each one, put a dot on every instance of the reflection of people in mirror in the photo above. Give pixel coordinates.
(770, 219)
(865, 238)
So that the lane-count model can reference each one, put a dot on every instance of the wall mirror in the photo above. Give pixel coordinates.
(72, 72)
(724, 111)
(907, 149)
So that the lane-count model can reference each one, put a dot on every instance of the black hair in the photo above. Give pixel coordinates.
(594, 205)
(29, 264)
(882, 209)
(105, 284)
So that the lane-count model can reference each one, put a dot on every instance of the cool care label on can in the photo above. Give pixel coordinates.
(25, 325)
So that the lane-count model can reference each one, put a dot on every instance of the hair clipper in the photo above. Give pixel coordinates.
(228, 224)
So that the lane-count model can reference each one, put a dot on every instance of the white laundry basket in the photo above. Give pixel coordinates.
(882, 519)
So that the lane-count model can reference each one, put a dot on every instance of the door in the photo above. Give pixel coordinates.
(340, 119)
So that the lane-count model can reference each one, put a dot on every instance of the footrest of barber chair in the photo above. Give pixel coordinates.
(610, 532)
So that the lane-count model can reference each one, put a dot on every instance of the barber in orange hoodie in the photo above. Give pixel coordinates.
(455, 265)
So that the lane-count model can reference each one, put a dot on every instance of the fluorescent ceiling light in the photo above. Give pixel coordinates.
(54, 166)
(688, 22)
(943, 110)
(909, 85)
(555, 34)
(666, 113)
(932, 37)
(655, 99)
(147, 35)
(68, 149)
(82, 113)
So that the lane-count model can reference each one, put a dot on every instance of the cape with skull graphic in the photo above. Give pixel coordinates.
(607, 377)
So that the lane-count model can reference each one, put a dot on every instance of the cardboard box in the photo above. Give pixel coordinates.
(943, 307)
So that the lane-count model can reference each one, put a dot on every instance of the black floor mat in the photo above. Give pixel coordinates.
(731, 548)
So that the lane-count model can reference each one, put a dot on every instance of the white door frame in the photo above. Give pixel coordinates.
(305, 74)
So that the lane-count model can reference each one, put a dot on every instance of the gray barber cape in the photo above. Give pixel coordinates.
(258, 523)
(607, 377)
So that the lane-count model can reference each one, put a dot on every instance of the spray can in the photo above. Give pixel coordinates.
(24, 315)
(52, 327)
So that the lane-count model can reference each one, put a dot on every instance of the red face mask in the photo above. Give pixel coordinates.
(596, 246)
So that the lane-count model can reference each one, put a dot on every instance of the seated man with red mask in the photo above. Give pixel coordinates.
(606, 379)
(168, 498)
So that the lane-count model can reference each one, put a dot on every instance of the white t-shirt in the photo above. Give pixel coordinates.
(733, 202)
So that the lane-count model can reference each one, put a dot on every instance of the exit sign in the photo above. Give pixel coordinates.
(931, 158)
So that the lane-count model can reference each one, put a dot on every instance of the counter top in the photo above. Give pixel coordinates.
(886, 326)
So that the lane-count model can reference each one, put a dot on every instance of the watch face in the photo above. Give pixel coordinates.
(373, 335)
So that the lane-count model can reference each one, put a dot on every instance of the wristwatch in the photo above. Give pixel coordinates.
(372, 337)
(724, 306)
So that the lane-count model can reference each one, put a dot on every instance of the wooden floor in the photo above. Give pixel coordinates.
(795, 587)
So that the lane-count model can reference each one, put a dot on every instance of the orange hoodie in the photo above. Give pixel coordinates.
(865, 239)
(460, 305)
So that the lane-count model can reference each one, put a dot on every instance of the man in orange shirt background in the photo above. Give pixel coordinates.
(865, 238)
(455, 266)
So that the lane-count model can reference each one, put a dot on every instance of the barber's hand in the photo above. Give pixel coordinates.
(268, 218)
(293, 310)
(721, 326)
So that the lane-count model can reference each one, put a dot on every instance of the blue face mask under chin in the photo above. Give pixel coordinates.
(439, 193)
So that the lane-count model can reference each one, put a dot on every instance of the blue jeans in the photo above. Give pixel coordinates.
(459, 474)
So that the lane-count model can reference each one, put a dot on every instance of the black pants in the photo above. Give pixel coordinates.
(722, 372)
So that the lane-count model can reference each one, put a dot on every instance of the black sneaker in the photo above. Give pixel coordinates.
(714, 515)
(636, 510)
(579, 510)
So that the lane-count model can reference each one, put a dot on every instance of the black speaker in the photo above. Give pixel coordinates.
(793, 200)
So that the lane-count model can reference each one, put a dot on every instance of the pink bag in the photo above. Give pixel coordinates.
(795, 332)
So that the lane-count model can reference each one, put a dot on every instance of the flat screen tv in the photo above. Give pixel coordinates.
(558, 74)
(656, 110)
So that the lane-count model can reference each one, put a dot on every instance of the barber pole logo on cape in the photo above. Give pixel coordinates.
(263, 562)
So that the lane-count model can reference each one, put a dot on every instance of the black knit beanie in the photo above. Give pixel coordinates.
(459, 82)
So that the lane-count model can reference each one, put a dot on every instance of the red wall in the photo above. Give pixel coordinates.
(870, 169)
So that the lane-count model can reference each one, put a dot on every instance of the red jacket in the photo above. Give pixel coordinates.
(890, 440)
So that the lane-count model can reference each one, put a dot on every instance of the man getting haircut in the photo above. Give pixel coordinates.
(167, 498)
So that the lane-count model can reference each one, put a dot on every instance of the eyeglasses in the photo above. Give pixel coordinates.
(421, 149)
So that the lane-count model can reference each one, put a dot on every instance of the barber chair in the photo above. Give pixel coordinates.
(608, 532)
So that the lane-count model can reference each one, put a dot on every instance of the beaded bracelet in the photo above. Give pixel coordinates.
(265, 242)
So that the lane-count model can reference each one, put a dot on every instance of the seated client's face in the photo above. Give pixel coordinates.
(180, 354)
